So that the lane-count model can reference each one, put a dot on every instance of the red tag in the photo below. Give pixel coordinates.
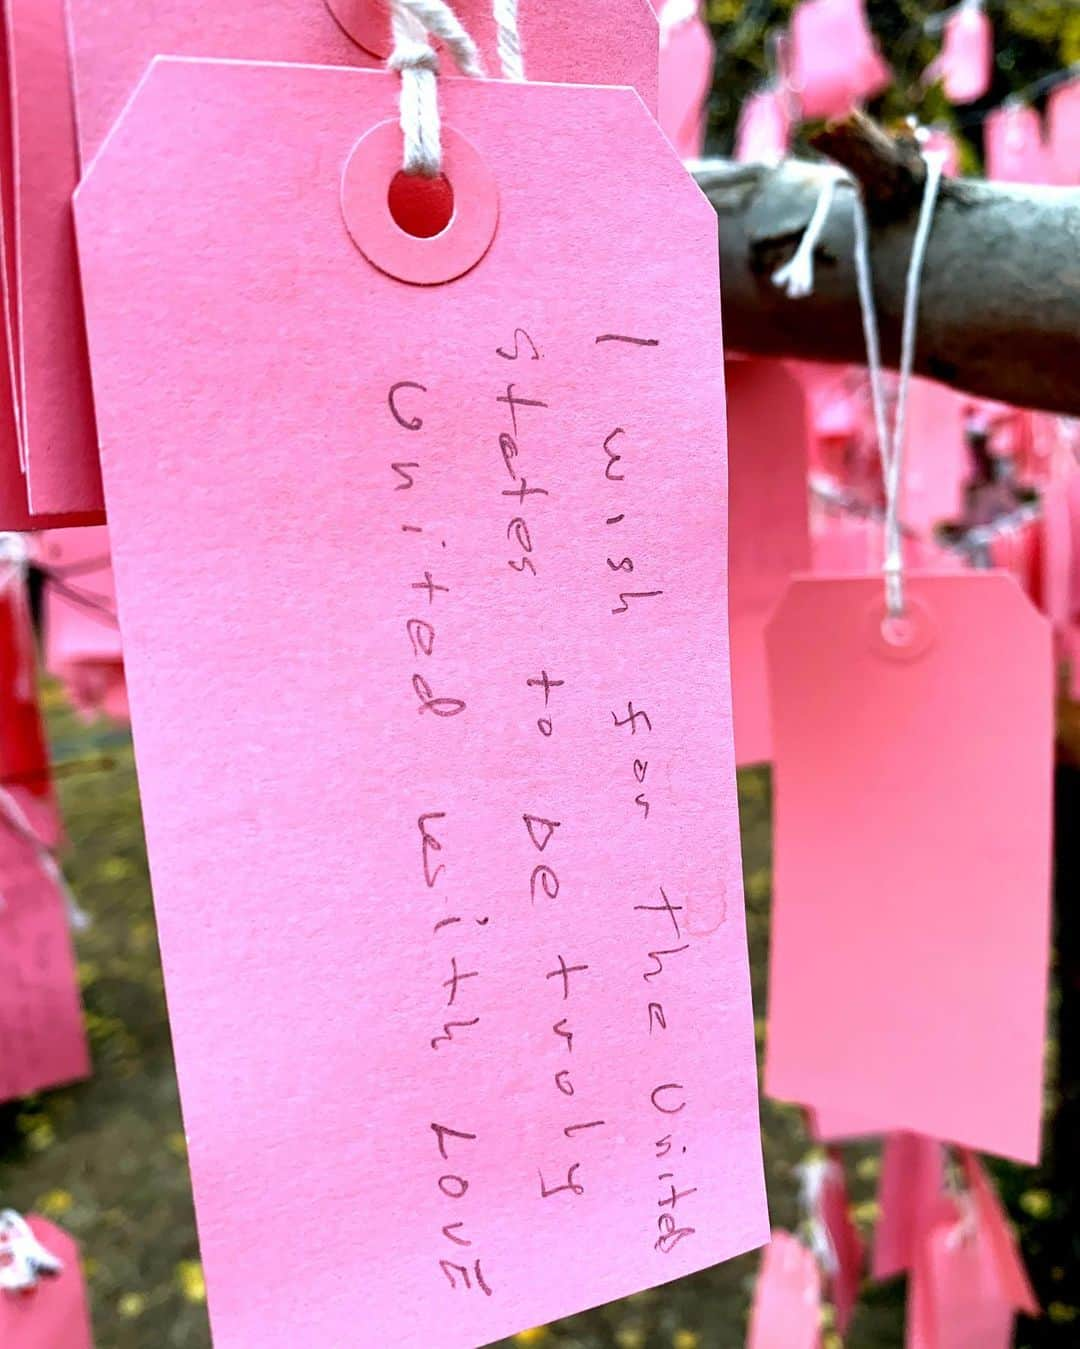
(844, 1239)
(42, 1040)
(909, 1199)
(768, 533)
(54, 1314)
(24, 757)
(787, 1298)
(911, 916)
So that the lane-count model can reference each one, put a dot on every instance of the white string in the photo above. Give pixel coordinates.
(796, 276)
(414, 23)
(891, 442)
(23, 1259)
(508, 40)
(16, 818)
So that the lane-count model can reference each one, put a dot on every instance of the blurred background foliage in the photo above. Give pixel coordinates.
(107, 1159)
(1033, 39)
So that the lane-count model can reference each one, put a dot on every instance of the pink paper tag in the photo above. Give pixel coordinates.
(54, 1315)
(1061, 550)
(936, 461)
(845, 1242)
(1063, 132)
(967, 54)
(925, 1009)
(456, 854)
(787, 1298)
(24, 757)
(768, 532)
(589, 42)
(686, 68)
(835, 61)
(764, 131)
(42, 1040)
(59, 437)
(80, 600)
(909, 1196)
(1013, 140)
(959, 1302)
(1000, 1243)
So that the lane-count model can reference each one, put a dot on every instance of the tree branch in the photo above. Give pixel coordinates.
(1000, 308)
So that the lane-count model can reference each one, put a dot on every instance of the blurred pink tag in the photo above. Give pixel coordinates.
(81, 633)
(1061, 550)
(925, 1009)
(936, 461)
(55, 1314)
(589, 42)
(909, 1196)
(686, 68)
(846, 1244)
(42, 1040)
(461, 835)
(764, 130)
(768, 531)
(1063, 132)
(835, 61)
(80, 600)
(962, 1303)
(998, 1237)
(24, 757)
(59, 437)
(787, 1297)
(967, 54)
(1014, 146)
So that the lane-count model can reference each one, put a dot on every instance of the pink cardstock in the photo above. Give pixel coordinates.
(686, 70)
(764, 130)
(430, 698)
(42, 1039)
(958, 1301)
(967, 54)
(589, 42)
(912, 841)
(59, 437)
(835, 61)
(787, 1297)
(1014, 146)
(1063, 132)
(55, 1314)
(768, 529)
(910, 1188)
